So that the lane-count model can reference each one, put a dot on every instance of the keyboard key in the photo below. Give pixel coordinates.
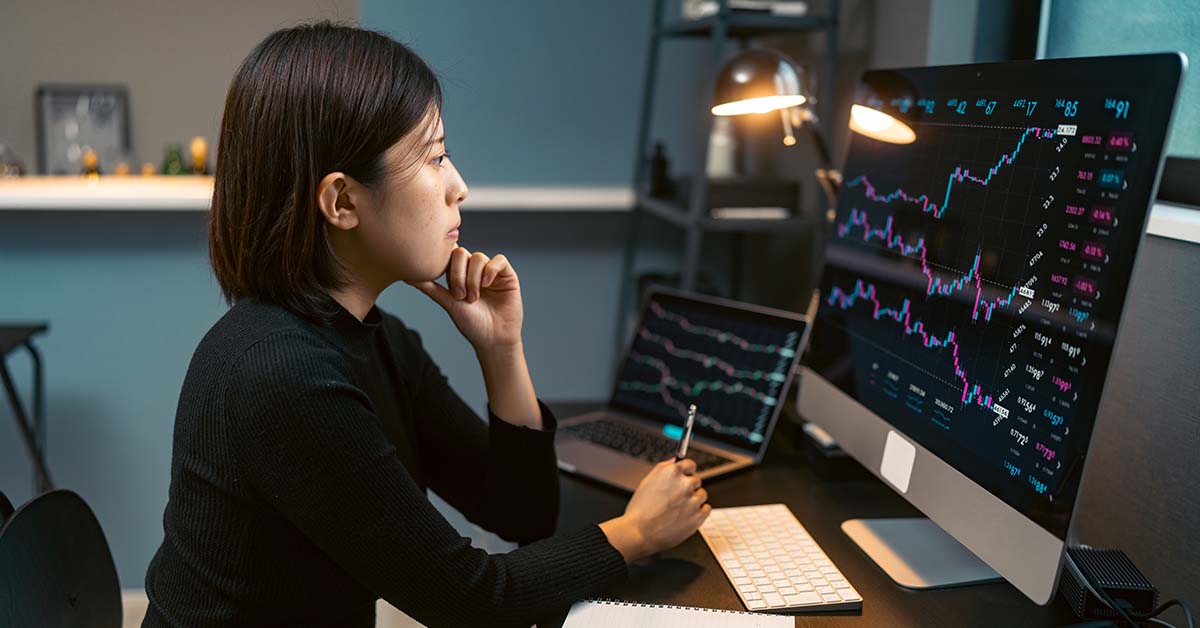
(774, 599)
(809, 598)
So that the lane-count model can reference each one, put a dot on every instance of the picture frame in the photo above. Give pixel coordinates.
(72, 118)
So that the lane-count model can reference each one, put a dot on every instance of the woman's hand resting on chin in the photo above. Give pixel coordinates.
(483, 298)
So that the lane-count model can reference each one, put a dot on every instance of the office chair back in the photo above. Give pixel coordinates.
(55, 566)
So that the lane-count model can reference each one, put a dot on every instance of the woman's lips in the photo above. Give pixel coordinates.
(453, 235)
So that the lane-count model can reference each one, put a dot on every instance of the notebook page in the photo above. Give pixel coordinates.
(602, 614)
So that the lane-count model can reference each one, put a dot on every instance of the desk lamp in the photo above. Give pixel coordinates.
(760, 81)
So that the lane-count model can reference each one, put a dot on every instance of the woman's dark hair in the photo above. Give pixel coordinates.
(307, 101)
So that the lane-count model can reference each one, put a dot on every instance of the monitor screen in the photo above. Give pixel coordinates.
(975, 276)
(731, 360)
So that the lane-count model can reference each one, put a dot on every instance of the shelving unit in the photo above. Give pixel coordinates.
(692, 218)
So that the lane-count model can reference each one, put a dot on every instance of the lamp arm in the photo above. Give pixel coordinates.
(828, 176)
(818, 140)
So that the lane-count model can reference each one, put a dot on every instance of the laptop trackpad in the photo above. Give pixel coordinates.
(602, 463)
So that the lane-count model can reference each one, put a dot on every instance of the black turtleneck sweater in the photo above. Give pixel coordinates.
(302, 456)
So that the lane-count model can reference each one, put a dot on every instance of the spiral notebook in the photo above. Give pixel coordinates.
(609, 613)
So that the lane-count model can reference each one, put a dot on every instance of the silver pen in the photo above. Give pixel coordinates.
(687, 434)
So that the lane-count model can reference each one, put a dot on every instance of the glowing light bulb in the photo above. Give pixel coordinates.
(880, 126)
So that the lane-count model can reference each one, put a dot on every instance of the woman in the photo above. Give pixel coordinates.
(311, 424)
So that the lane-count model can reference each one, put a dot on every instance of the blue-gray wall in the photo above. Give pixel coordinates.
(1081, 28)
(545, 91)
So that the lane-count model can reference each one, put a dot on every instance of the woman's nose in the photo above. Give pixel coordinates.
(457, 189)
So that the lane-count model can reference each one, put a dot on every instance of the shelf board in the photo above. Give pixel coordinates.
(172, 193)
(747, 24)
(758, 225)
(676, 214)
(194, 193)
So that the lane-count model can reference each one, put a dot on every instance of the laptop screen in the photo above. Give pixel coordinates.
(732, 360)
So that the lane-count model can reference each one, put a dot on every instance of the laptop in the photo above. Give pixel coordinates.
(733, 360)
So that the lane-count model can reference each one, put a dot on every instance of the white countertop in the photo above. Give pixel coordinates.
(194, 193)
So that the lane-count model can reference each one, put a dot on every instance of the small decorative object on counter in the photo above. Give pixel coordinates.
(148, 169)
(91, 163)
(121, 169)
(173, 160)
(661, 185)
(10, 164)
(199, 150)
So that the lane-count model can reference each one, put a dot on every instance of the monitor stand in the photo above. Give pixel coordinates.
(917, 554)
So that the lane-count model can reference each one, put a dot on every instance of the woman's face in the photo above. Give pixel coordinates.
(412, 227)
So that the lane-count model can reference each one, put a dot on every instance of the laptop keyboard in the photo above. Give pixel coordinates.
(639, 443)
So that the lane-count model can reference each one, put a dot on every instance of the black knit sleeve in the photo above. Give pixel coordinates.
(501, 476)
(307, 442)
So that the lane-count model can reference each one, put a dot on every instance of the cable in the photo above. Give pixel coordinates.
(1184, 606)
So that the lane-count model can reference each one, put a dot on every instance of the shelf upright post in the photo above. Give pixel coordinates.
(697, 200)
(627, 283)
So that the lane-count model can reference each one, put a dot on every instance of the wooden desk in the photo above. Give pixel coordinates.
(688, 575)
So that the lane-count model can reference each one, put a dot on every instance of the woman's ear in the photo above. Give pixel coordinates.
(335, 200)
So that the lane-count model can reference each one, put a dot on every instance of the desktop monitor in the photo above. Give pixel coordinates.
(971, 297)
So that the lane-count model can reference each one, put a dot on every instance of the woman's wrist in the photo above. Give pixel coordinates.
(625, 536)
(509, 387)
(500, 355)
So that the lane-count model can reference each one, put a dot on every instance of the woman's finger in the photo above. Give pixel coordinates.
(699, 497)
(435, 291)
(493, 269)
(687, 466)
(475, 266)
(695, 481)
(456, 277)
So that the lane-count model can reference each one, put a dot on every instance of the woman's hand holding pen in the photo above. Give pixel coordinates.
(668, 506)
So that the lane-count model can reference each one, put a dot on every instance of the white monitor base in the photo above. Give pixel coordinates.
(918, 554)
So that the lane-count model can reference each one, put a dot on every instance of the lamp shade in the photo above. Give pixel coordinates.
(760, 81)
(881, 126)
(881, 93)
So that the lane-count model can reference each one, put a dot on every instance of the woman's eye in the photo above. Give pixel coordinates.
(440, 158)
